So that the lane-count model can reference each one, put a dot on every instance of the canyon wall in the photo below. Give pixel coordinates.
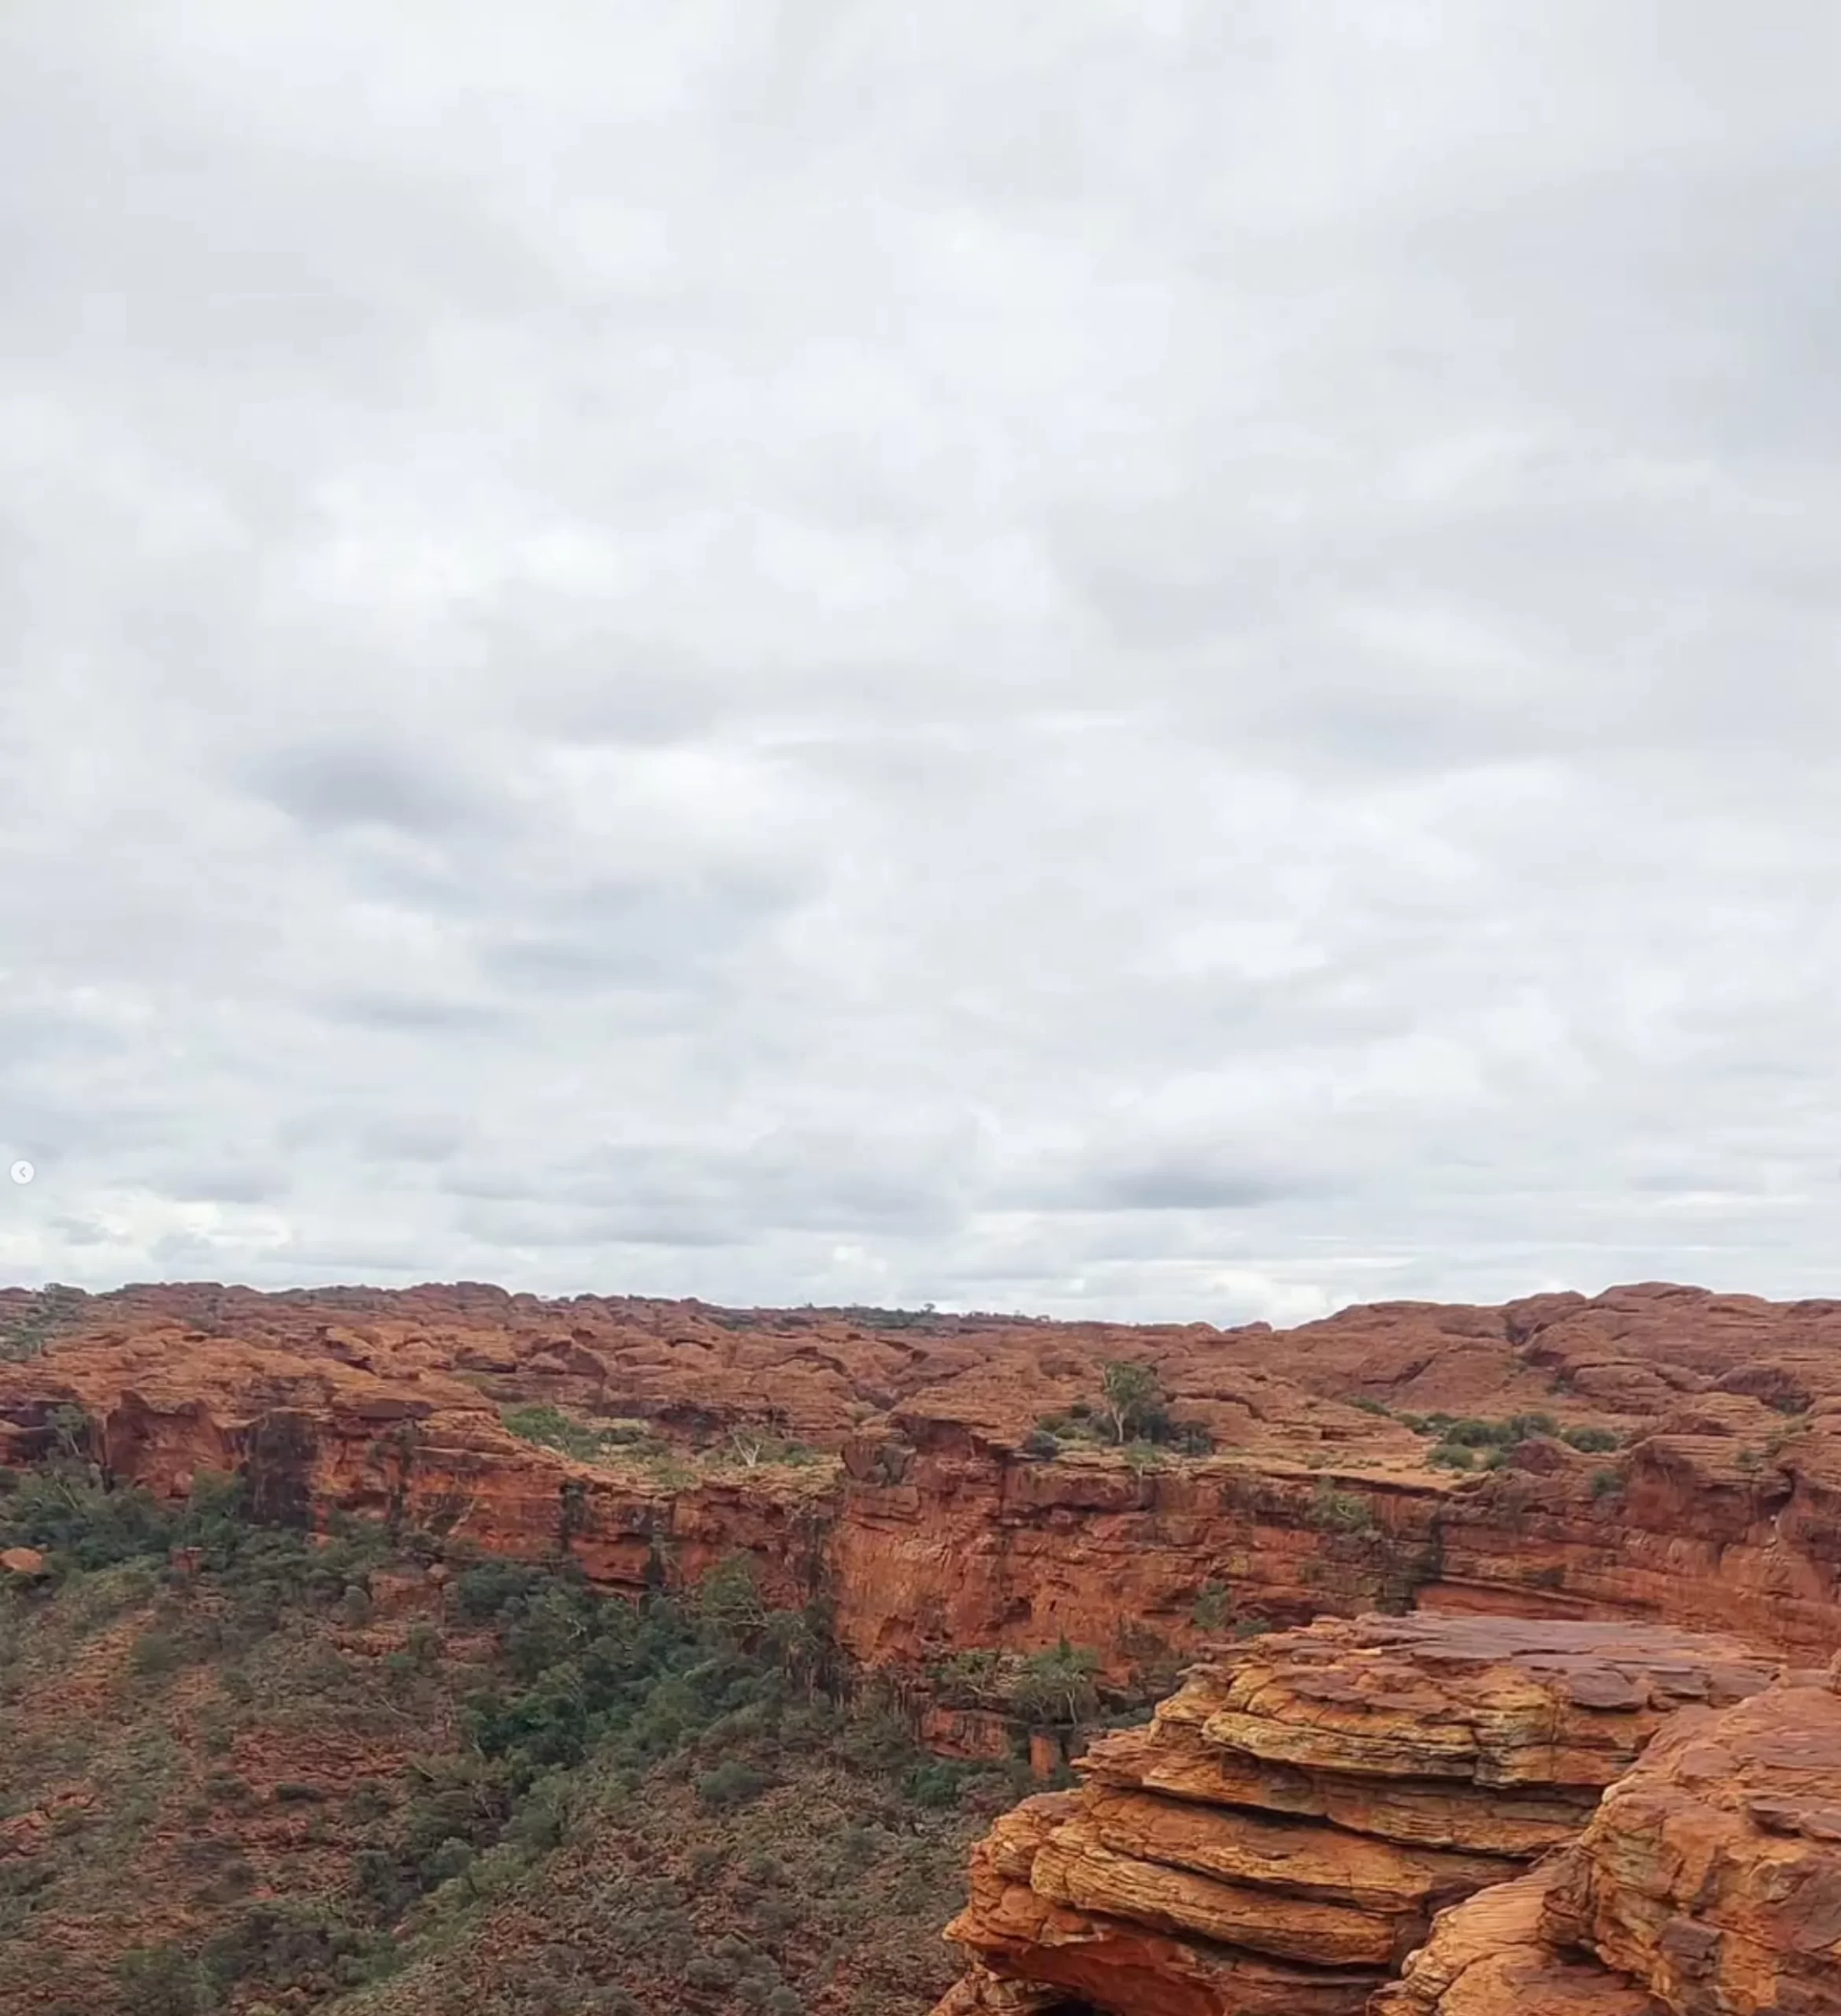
(885, 1460)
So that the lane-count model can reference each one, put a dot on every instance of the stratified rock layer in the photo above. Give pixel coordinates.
(1281, 1834)
(1489, 1957)
(1708, 1883)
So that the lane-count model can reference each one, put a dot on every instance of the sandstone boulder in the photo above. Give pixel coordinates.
(1283, 1833)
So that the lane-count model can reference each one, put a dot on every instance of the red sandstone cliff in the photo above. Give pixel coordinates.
(931, 1527)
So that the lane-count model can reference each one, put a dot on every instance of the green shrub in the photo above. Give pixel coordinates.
(1213, 1607)
(156, 1653)
(165, 1981)
(1591, 1441)
(1334, 1511)
(732, 1782)
(587, 1442)
(1040, 1445)
(936, 1783)
(1058, 1688)
(1606, 1483)
(1452, 1456)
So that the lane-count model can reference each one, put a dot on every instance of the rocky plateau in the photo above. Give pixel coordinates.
(920, 1507)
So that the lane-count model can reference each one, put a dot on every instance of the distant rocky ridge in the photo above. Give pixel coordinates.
(921, 1511)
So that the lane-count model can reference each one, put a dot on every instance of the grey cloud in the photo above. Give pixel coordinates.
(414, 1138)
(411, 1013)
(1185, 1185)
(231, 1182)
(81, 1231)
(328, 787)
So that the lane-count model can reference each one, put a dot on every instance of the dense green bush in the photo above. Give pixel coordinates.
(588, 1442)
(732, 1782)
(165, 1981)
(1059, 1687)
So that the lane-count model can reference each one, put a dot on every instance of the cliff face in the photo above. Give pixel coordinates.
(1281, 1834)
(915, 1505)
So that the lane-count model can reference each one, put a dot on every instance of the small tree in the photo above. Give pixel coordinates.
(1132, 1400)
(1058, 1688)
(728, 1598)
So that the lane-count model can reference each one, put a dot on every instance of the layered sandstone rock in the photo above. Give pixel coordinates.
(1281, 1834)
(1491, 1957)
(1708, 1883)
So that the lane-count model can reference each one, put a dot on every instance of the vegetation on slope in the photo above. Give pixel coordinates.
(1130, 1413)
(242, 1770)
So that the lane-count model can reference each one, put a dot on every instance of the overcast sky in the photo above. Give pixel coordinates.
(1101, 657)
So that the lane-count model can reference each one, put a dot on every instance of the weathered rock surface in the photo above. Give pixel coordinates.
(1488, 1957)
(1708, 1883)
(1308, 1801)
(1712, 1874)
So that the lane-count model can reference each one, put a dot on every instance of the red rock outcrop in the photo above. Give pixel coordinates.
(1708, 1883)
(1281, 1834)
(1491, 1957)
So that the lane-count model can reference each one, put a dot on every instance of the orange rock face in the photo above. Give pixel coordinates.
(1707, 1884)
(924, 1518)
(1282, 1833)
(1489, 1957)
(1712, 1874)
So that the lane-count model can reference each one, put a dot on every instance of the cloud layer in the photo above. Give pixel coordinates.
(1131, 659)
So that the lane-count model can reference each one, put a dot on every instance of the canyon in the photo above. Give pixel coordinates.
(1490, 1645)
